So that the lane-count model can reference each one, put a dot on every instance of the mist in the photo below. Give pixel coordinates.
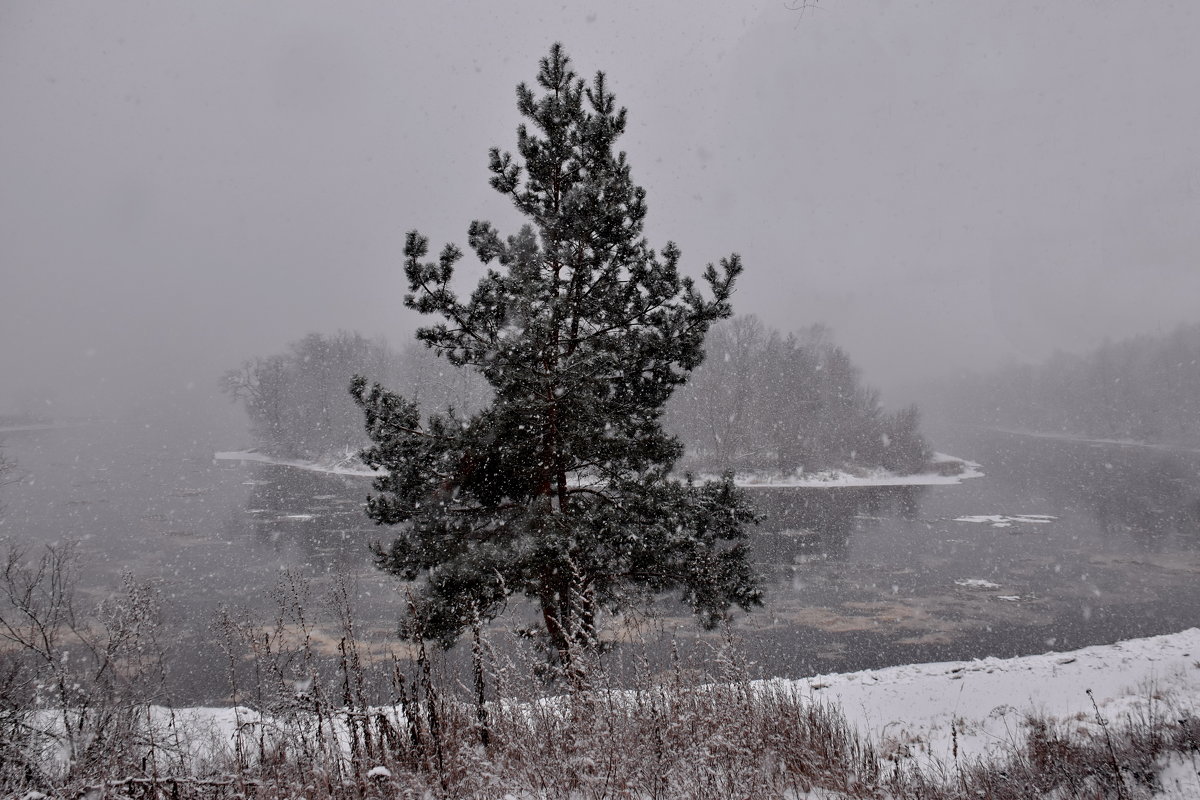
(949, 411)
(946, 185)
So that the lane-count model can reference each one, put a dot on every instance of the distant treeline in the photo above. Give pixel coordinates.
(1146, 389)
(299, 402)
(765, 401)
(760, 401)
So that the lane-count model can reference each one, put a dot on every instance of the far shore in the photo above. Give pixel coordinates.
(1082, 439)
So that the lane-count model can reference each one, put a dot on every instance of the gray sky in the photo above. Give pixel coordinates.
(186, 185)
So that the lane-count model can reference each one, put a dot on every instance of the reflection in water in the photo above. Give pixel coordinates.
(312, 517)
(804, 524)
(1146, 494)
(868, 577)
(1150, 498)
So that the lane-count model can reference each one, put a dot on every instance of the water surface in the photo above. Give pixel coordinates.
(855, 577)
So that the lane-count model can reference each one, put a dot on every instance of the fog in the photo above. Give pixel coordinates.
(945, 184)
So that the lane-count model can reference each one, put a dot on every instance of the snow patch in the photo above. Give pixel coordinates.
(1178, 779)
(988, 699)
(976, 583)
(1007, 521)
(346, 465)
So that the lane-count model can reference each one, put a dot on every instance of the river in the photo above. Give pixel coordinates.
(1071, 544)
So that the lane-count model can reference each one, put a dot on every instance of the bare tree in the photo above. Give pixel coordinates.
(75, 686)
(767, 401)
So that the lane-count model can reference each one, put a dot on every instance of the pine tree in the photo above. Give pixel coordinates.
(561, 490)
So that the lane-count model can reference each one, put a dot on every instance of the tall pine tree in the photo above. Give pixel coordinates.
(561, 490)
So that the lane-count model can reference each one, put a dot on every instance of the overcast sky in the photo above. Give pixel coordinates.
(186, 185)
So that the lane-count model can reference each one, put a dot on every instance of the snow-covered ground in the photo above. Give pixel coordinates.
(935, 714)
(350, 465)
(911, 708)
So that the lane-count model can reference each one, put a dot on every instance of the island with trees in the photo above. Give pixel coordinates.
(777, 407)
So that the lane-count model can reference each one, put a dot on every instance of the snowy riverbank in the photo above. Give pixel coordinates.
(948, 471)
(988, 700)
(1084, 439)
(934, 715)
